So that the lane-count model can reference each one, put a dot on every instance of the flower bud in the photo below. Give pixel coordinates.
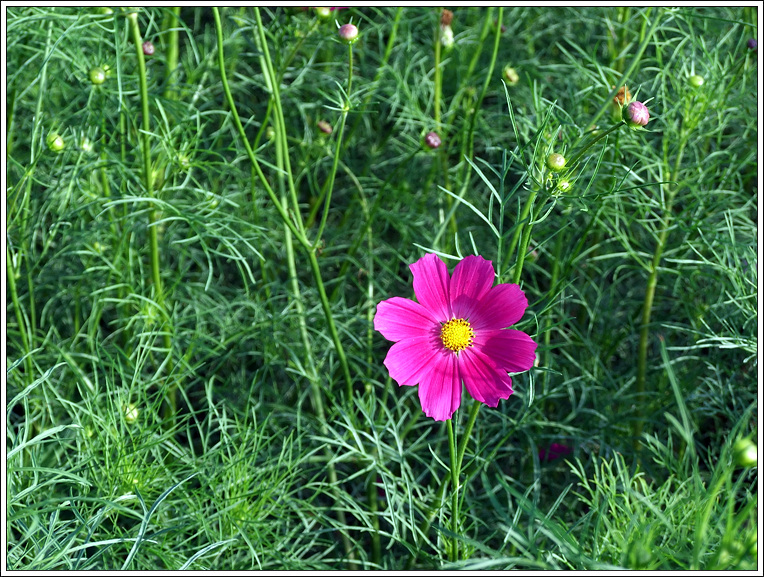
(564, 185)
(752, 44)
(148, 48)
(744, 453)
(510, 75)
(696, 80)
(86, 144)
(636, 115)
(323, 13)
(446, 33)
(348, 33)
(270, 133)
(324, 126)
(432, 140)
(622, 96)
(97, 75)
(55, 142)
(555, 162)
(131, 413)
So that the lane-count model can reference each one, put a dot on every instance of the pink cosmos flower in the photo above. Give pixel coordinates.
(456, 332)
(555, 451)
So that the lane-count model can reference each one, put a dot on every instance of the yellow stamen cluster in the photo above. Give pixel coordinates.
(457, 335)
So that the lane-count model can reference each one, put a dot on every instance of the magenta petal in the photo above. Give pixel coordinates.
(483, 379)
(440, 388)
(509, 349)
(408, 360)
(472, 279)
(398, 318)
(501, 307)
(431, 285)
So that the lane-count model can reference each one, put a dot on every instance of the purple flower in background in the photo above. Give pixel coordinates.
(555, 451)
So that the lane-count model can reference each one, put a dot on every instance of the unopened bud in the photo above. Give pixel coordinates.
(744, 453)
(348, 33)
(622, 96)
(555, 162)
(97, 75)
(636, 115)
(55, 142)
(696, 80)
(510, 75)
(148, 48)
(324, 126)
(323, 13)
(432, 140)
(752, 44)
(131, 413)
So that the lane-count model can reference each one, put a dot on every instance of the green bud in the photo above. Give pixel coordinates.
(744, 453)
(323, 13)
(55, 142)
(555, 162)
(510, 75)
(97, 75)
(696, 80)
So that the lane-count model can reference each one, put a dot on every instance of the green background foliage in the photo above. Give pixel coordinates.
(185, 389)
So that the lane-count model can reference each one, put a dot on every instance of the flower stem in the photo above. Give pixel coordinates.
(460, 451)
(295, 224)
(170, 30)
(337, 149)
(454, 551)
(132, 19)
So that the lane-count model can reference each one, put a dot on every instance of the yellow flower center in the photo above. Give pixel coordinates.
(457, 335)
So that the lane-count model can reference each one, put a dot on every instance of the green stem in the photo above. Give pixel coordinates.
(242, 133)
(298, 233)
(647, 307)
(460, 451)
(337, 149)
(153, 213)
(11, 277)
(646, 38)
(273, 85)
(378, 75)
(170, 27)
(147, 175)
(454, 553)
(486, 84)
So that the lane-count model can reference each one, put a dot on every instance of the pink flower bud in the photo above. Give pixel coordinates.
(636, 115)
(348, 33)
(148, 48)
(432, 140)
(324, 126)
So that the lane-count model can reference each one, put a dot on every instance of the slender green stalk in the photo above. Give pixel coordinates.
(378, 76)
(11, 278)
(295, 225)
(281, 136)
(240, 128)
(337, 148)
(170, 27)
(645, 41)
(489, 76)
(647, 307)
(454, 552)
(159, 296)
